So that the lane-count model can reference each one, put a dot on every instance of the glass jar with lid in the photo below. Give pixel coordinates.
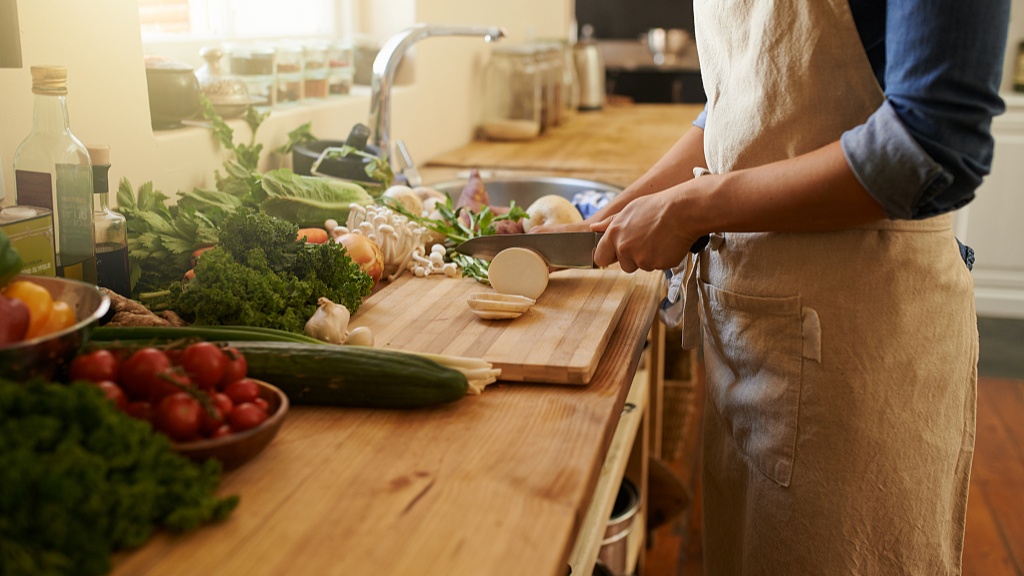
(254, 65)
(512, 94)
(289, 73)
(228, 94)
(316, 70)
(341, 68)
(549, 65)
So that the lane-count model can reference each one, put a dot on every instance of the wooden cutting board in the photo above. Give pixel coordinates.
(558, 341)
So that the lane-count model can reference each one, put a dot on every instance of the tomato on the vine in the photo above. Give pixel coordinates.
(113, 393)
(167, 382)
(204, 363)
(138, 372)
(244, 390)
(178, 416)
(235, 367)
(95, 366)
(246, 416)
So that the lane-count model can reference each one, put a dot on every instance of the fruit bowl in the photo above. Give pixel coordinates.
(236, 449)
(48, 356)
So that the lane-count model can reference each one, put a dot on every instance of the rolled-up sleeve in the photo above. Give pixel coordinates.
(925, 151)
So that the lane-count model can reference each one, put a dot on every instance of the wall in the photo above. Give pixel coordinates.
(99, 42)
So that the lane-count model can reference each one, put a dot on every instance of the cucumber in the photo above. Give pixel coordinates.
(164, 334)
(352, 376)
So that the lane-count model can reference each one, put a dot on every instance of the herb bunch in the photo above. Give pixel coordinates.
(458, 225)
(82, 480)
(261, 275)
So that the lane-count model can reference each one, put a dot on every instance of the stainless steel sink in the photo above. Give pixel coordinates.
(526, 189)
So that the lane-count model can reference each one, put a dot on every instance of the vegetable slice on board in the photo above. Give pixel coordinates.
(519, 271)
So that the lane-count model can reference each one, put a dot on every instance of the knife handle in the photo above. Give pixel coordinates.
(700, 244)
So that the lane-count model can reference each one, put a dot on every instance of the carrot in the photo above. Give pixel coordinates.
(313, 235)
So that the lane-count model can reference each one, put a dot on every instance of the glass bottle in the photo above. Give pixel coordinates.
(111, 228)
(512, 94)
(52, 170)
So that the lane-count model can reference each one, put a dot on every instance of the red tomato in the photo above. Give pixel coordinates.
(167, 382)
(246, 416)
(139, 371)
(209, 424)
(221, 432)
(113, 393)
(244, 390)
(179, 416)
(235, 367)
(95, 366)
(221, 400)
(140, 410)
(205, 364)
(263, 404)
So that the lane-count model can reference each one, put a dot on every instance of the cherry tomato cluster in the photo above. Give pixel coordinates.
(200, 391)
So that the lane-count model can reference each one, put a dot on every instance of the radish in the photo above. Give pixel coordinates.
(519, 271)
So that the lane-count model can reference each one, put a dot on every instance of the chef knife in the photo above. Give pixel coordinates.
(559, 249)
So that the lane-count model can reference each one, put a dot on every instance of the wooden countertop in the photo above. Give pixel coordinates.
(615, 145)
(492, 484)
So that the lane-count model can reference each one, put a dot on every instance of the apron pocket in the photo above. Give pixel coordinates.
(753, 354)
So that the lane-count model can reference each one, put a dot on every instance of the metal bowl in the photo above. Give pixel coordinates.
(48, 356)
(527, 189)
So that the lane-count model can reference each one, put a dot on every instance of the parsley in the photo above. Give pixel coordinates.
(82, 480)
(261, 275)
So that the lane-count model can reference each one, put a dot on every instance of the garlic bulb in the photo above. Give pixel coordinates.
(329, 323)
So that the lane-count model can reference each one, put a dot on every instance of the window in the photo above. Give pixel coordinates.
(163, 20)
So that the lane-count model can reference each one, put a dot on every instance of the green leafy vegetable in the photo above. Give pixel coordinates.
(307, 200)
(161, 238)
(260, 275)
(300, 135)
(378, 168)
(458, 225)
(10, 260)
(82, 480)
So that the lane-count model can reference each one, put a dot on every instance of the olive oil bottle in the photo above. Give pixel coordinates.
(52, 170)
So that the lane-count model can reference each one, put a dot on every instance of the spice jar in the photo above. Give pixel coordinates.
(254, 65)
(512, 94)
(289, 74)
(341, 69)
(316, 70)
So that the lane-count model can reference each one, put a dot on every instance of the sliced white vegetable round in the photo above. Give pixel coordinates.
(519, 271)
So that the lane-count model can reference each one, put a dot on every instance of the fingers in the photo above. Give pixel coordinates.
(601, 225)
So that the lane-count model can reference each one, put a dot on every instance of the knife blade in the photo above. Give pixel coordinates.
(559, 249)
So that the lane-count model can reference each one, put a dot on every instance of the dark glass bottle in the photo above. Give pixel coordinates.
(111, 228)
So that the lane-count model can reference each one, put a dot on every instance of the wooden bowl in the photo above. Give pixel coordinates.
(240, 447)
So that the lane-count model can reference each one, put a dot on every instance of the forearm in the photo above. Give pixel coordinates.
(813, 192)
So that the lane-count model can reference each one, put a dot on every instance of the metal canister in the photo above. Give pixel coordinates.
(30, 230)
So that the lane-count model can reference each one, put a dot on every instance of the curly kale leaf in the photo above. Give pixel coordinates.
(82, 480)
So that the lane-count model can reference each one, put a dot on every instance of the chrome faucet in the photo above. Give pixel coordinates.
(386, 63)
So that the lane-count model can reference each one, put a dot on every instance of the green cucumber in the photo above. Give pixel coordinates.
(352, 376)
(163, 334)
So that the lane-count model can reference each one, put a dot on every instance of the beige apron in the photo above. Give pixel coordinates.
(841, 367)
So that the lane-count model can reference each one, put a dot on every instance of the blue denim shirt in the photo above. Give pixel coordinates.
(927, 148)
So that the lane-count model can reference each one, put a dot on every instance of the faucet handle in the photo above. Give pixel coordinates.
(409, 171)
(358, 137)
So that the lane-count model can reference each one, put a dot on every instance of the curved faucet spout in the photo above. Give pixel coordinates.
(386, 63)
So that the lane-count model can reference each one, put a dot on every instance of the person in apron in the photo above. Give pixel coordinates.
(835, 305)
